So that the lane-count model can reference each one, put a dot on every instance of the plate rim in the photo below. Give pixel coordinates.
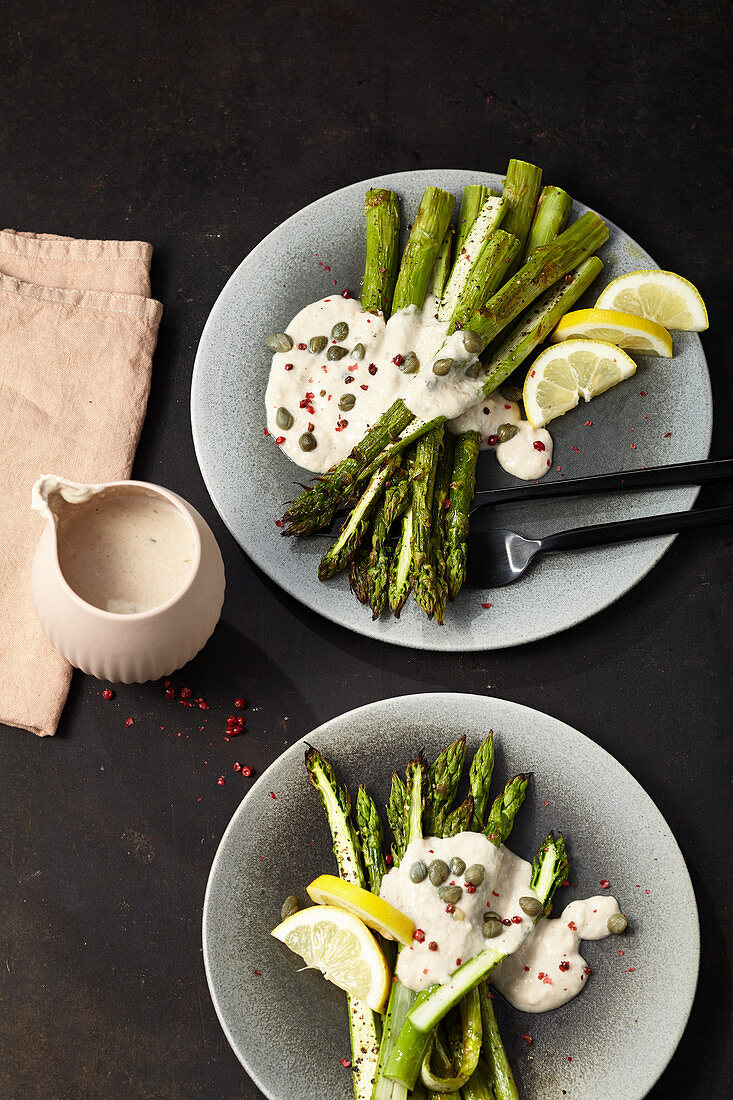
(672, 1041)
(438, 642)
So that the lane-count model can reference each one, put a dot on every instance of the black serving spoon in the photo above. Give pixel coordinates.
(497, 558)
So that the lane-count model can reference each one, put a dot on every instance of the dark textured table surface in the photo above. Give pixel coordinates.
(199, 128)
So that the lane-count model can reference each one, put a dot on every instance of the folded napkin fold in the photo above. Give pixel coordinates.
(77, 335)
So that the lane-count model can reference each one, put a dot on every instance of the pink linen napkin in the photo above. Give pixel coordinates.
(77, 335)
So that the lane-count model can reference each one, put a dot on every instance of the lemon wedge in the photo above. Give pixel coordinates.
(342, 948)
(659, 296)
(369, 908)
(625, 330)
(565, 372)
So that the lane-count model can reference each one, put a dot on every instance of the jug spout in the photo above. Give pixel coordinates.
(54, 497)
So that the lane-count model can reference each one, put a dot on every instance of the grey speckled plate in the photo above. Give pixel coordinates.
(289, 1029)
(249, 479)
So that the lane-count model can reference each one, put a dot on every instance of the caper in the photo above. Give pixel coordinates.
(450, 894)
(358, 352)
(491, 928)
(475, 874)
(459, 914)
(410, 363)
(442, 366)
(336, 352)
(457, 866)
(472, 369)
(533, 907)
(506, 432)
(472, 341)
(279, 341)
(512, 393)
(283, 418)
(340, 331)
(307, 442)
(617, 923)
(290, 905)
(347, 401)
(438, 871)
(491, 915)
(418, 871)
(316, 344)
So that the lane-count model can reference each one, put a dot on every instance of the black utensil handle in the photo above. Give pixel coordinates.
(653, 477)
(646, 527)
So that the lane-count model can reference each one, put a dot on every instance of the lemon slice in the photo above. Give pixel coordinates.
(342, 948)
(369, 908)
(659, 296)
(565, 372)
(625, 330)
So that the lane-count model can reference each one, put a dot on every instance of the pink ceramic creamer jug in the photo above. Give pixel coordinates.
(127, 580)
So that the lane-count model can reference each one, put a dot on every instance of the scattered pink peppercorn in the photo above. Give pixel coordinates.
(246, 771)
(432, 946)
(237, 766)
(129, 721)
(605, 884)
(564, 965)
(345, 1062)
(492, 440)
(388, 859)
(108, 694)
(539, 445)
(373, 368)
(419, 935)
(221, 781)
(170, 693)
(240, 704)
(186, 693)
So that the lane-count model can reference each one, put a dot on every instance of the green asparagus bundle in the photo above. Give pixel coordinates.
(416, 1051)
(393, 431)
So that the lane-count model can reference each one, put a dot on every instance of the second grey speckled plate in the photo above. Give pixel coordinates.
(288, 1026)
(661, 415)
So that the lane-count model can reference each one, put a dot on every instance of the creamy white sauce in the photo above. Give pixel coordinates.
(519, 456)
(125, 551)
(547, 969)
(309, 386)
(506, 879)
